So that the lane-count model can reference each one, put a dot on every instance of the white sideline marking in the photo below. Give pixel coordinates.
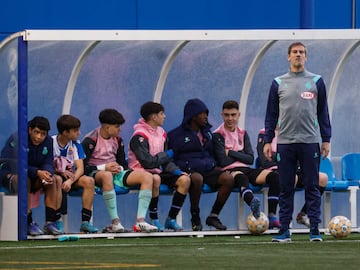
(171, 234)
(195, 245)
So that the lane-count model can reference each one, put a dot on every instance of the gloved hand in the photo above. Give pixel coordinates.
(170, 153)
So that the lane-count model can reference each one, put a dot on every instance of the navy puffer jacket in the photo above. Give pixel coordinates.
(189, 154)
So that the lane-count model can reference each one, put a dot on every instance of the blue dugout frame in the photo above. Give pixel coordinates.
(22, 137)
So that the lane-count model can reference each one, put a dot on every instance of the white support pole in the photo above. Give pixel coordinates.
(353, 205)
(327, 208)
(8, 217)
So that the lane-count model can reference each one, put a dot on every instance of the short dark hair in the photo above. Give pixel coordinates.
(230, 104)
(150, 108)
(111, 117)
(40, 122)
(296, 44)
(67, 122)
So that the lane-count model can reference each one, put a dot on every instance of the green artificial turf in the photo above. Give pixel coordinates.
(209, 252)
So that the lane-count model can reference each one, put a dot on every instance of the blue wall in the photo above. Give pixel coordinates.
(17, 15)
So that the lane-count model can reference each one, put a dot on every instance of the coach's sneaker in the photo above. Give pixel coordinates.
(60, 225)
(51, 228)
(315, 235)
(215, 222)
(302, 218)
(157, 223)
(144, 227)
(255, 207)
(171, 224)
(87, 227)
(34, 229)
(273, 222)
(282, 237)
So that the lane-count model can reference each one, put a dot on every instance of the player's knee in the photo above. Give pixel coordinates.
(183, 181)
(226, 179)
(106, 180)
(87, 182)
(156, 181)
(323, 179)
(272, 179)
(148, 178)
(241, 180)
(196, 180)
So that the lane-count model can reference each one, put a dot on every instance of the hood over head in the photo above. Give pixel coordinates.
(192, 108)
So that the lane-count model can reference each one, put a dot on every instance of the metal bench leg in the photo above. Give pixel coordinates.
(327, 208)
(179, 218)
(241, 214)
(353, 206)
(265, 200)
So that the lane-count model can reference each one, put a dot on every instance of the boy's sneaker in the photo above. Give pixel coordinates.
(215, 222)
(282, 237)
(255, 207)
(274, 222)
(196, 224)
(60, 225)
(302, 218)
(171, 224)
(144, 227)
(114, 227)
(51, 228)
(87, 227)
(315, 235)
(34, 229)
(196, 220)
(157, 223)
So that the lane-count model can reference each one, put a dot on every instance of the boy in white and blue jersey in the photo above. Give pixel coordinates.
(66, 144)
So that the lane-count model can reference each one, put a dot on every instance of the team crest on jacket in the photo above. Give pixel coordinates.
(308, 95)
(141, 139)
(187, 139)
(45, 151)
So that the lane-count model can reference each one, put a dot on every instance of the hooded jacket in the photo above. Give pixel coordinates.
(40, 157)
(189, 153)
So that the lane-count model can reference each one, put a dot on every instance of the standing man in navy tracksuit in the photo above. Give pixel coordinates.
(297, 104)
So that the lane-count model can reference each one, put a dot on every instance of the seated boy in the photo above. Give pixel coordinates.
(105, 162)
(148, 152)
(234, 153)
(40, 173)
(66, 145)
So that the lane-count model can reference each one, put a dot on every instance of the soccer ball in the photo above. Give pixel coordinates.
(339, 226)
(257, 226)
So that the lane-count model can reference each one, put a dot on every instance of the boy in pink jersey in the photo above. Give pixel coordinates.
(234, 153)
(105, 161)
(148, 151)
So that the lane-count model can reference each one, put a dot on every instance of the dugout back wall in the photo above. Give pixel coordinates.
(82, 73)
